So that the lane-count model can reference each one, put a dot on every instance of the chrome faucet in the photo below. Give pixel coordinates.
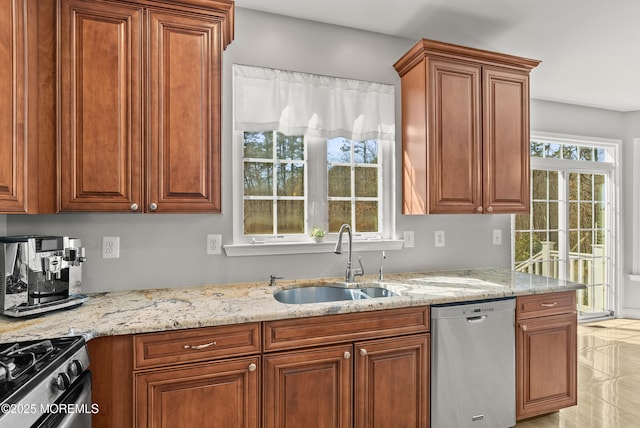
(350, 272)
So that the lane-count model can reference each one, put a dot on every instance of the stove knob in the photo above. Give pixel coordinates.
(75, 368)
(62, 381)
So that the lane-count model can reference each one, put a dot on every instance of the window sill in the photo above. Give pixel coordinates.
(634, 277)
(282, 248)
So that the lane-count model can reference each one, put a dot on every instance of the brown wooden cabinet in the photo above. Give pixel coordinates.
(27, 179)
(308, 386)
(465, 122)
(546, 353)
(139, 104)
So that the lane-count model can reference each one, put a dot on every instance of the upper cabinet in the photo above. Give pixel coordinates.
(465, 130)
(27, 174)
(139, 104)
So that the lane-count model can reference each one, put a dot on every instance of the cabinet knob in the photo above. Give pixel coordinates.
(252, 367)
(524, 328)
(347, 355)
(134, 207)
(490, 209)
(363, 352)
(479, 209)
(153, 206)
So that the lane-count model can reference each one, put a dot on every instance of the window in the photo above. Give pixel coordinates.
(569, 231)
(311, 151)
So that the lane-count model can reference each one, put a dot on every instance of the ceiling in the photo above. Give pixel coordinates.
(590, 49)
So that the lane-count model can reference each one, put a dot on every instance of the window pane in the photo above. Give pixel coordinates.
(573, 186)
(365, 151)
(540, 220)
(539, 184)
(586, 215)
(290, 216)
(258, 217)
(552, 150)
(367, 216)
(522, 246)
(522, 221)
(339, 150)
(598, 188)
(537, 149)
(340, 181)
(258, 179)
(586, 242)
(258, 145)
(290, 147)
(290, 179)
(586, 181)
(573, 215)
(570, 152)
(553, 185)
(599, 214)
(586, 153)
(366, 182)
(339, 214)
(553, 215)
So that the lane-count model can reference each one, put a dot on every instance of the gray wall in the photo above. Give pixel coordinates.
(169, 250)
(631, 289)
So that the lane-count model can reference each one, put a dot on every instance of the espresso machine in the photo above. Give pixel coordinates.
(40, 274)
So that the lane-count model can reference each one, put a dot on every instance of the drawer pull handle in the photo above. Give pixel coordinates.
(252, 367)
(548, 305)
(203, 346)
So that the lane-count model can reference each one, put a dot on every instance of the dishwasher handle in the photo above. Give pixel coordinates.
(478, 318)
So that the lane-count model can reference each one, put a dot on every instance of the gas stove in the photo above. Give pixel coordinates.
(45, 383)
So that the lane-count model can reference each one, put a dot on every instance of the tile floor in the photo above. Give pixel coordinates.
(608, 379)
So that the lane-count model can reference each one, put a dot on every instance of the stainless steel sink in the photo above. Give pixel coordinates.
(329, 293)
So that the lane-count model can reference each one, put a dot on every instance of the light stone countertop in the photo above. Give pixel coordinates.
(141, 311)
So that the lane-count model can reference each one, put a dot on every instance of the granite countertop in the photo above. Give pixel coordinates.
(141, 311)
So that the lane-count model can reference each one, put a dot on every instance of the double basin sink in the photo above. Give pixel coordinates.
(329, 293)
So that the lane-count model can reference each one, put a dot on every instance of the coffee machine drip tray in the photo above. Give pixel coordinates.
(24, 310)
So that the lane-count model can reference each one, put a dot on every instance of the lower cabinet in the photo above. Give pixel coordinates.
(546, 354)
(379, 383)
(218, 394)
(373, 371)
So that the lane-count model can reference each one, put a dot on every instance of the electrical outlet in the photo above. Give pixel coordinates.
(497, 237)
(409, 239)
(110, 247)
(214, 245)
(439, 238)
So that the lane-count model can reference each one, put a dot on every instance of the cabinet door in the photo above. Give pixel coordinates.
(392, 382)
(506, 140)
(311, 388)
(13, 123)
(217, 394)
(100, 96)
(546, 364)
(454, 136)
(184, 113)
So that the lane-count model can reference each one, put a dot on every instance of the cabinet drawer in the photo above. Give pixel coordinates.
(296, 333)
(198, 344)
(540, 305)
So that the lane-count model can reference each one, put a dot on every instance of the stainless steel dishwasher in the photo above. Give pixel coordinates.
(473, 364)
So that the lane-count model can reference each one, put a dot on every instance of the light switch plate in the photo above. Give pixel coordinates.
(409, 241)
(439, 238)
(497, 237)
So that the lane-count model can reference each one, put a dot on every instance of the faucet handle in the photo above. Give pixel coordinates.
(359, 272)
(273, 278)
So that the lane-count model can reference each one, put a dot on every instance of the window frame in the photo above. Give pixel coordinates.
(316, 203)
(611, 168)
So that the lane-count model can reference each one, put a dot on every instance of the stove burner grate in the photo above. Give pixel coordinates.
(16, 360)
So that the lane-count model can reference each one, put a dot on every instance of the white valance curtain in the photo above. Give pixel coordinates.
(299, 103)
